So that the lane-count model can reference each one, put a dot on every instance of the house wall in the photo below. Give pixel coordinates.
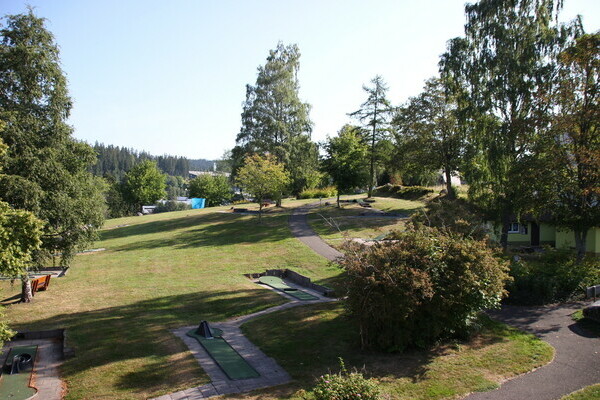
(565, 239)
(547, 234)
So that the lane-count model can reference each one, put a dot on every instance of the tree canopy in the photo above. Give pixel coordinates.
(45, 169)
(144, 184)
(262, 176)
(375, 115)
(215, 189)
(506, 62)
(346, 159)
(275, 120)
(428, 132)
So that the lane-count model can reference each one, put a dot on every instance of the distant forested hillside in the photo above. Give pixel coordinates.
(115, 161)
(201, 165)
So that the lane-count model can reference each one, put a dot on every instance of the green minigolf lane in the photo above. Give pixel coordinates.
(279, 284)
(16, 386)
(225, 356)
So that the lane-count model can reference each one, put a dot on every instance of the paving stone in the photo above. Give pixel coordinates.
(181, 395)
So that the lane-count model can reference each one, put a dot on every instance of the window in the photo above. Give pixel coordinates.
(516, 227)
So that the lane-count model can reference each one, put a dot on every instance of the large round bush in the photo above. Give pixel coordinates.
(425, 285)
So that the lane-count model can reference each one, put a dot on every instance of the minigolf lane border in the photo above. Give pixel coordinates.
(279, 284)
(226, 357)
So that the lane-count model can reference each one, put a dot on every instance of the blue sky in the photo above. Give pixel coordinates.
(169, 77)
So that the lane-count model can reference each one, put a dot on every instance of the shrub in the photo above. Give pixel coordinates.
(552, 277)
(325, 192)
(402, 192)
(171, 205)
(345, 386)
(426, 285)
(456, 215)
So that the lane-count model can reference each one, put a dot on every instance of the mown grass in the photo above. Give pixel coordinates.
(334, 224)
(307, 342)
(588, 393)
(174, 269)
(158, 273)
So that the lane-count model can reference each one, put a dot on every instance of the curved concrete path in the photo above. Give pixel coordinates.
(576, 362)
(301, 229)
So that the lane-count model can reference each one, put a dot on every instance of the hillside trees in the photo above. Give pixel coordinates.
(375, 115)
(144, 184)
(45, 169)
(346, 159)
(506, 62)
(276, 121)
(262, 176)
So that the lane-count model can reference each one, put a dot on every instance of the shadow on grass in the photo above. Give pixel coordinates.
(308, 342)
(133, 341)
(218, 230)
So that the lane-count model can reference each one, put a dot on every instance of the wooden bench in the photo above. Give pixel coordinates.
(40, 283)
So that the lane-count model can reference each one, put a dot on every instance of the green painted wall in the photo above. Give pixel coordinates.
(547, 234)
(565, 239)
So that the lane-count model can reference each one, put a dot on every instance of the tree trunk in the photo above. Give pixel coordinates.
(580, 243)
(26, 294)
(260, 204)
(372, 171)
(338, 198)
(449, 182)
(505, 226)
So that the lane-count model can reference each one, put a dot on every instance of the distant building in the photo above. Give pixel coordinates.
(194, 174)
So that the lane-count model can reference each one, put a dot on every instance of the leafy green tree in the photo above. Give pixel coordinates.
(176, 186)
(346, 159)
(215, 189)
(569, 151)
(20, 233)
(144, 184)
(375, 114)
(262, 176)
(506, 60)
(429, 133)
(275, 120)
(45, 169)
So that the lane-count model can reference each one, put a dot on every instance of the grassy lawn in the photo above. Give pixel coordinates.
(169, 270)
(334, 224)
(588, 393)
(307, 342)
(158, 273)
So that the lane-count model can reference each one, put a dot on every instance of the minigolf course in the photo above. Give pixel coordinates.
(229, 360)
(16, 373)
(278, 284)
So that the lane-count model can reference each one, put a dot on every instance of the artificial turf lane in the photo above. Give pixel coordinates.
(16, 386)
(225, 356)
(279, 284)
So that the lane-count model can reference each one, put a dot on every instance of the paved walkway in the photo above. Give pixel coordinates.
(271, 374)
(302, 230)
(576, 363)
(48, 359)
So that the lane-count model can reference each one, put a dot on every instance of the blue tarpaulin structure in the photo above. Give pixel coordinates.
(198, 203)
